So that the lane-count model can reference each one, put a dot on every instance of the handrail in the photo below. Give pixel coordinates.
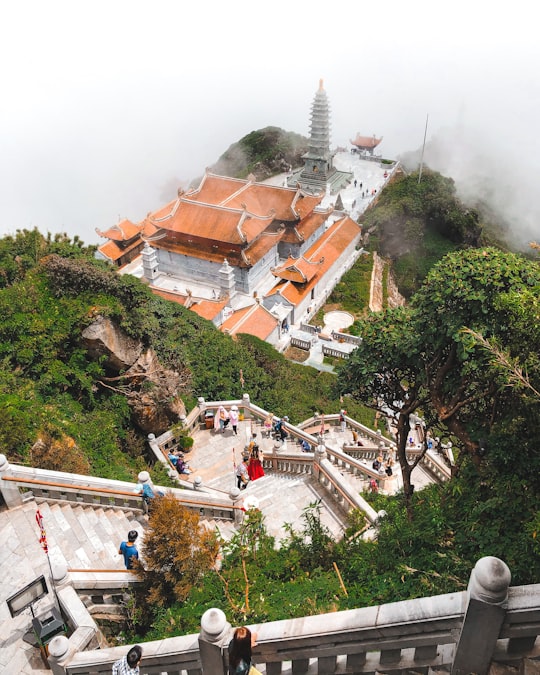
(338, 487)
(134, 495)
(49, 483)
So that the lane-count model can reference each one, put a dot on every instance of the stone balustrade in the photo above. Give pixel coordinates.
(297, 341)
(440, 632)
(355, 466)
(335, 352)
(346, 337)
(18, 482)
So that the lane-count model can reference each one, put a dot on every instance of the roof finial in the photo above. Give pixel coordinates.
(321, 88)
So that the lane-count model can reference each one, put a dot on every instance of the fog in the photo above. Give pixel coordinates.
(108, 107)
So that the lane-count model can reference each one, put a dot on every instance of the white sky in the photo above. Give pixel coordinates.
(107, 107)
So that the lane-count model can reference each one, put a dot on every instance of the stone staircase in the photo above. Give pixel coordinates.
(82, 536)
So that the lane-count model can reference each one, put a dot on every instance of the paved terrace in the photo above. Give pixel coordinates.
(282, 497)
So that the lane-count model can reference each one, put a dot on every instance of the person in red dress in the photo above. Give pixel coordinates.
(255, 467)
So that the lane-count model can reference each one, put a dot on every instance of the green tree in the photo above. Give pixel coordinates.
(177, 551)
(386, 374)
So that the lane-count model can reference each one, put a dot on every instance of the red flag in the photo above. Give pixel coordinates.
(43, 534)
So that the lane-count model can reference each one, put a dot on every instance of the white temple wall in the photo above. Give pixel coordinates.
(207, 272)
(186, 267)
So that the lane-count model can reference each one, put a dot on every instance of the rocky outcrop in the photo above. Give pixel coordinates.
(134, 370)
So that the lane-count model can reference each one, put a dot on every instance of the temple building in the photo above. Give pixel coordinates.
(319, 173)
(250, 257)
(366, 144)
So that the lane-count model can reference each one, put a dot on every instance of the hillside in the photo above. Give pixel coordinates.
(91, 409)
(262, 153)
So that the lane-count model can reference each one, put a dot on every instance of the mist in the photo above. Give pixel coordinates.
(108, 108)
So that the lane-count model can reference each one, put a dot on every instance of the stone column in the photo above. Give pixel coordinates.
(246, 406)
(320, 454)
(486, 607)
(10, 491)
(236, 498)
(59, 651)
(202, 408)
(213, 638)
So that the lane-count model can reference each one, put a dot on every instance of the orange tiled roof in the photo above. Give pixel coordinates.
(179, 298)
(298, 270)
(123, 231)
(215, 189)
(112, 251)
(260, 247)
(254, 320)
(366, 141)
(327, 250)
(305, 228)
(217, 223)
(209, 309)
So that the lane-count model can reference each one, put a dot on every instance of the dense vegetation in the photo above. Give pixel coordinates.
(263, 153)
(50, 387)
(417, 223)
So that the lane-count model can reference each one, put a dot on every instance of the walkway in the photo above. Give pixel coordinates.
(282, 498)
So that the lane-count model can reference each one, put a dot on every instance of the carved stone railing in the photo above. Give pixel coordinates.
(308, 328)
(355, 466)
(346, 337)
(300, 343)
(18, 483)
(461, 632)
(335, 352)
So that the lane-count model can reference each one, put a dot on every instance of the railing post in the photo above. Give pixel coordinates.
(486, 599)
(10, 491)
(236, 498)
(214, 630)
(246, 404)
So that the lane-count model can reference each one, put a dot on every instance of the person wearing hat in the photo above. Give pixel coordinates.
(233, 418)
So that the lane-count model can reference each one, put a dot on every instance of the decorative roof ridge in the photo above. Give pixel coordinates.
(330, 234)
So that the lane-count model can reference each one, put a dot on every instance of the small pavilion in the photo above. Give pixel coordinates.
(366, 143)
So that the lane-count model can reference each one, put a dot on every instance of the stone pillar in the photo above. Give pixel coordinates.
(227, 280)
(10, 491)
(215, 631)
(201, 403)
(197, 483)
(320, 454)
(486, 607)
(150, 262)
(59, 650)
(246, 406)
(236, 498)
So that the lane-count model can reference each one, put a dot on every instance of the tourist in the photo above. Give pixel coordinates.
(342, 420)
(255, 467)
(181, 465)
(242, 475)
(268, 423)
(240, 652)
(280, 429)
(306, 447)
(377, 463)
(233, 418)
(129, 550)
(128, 665)
(388, 467)
(221, 420)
